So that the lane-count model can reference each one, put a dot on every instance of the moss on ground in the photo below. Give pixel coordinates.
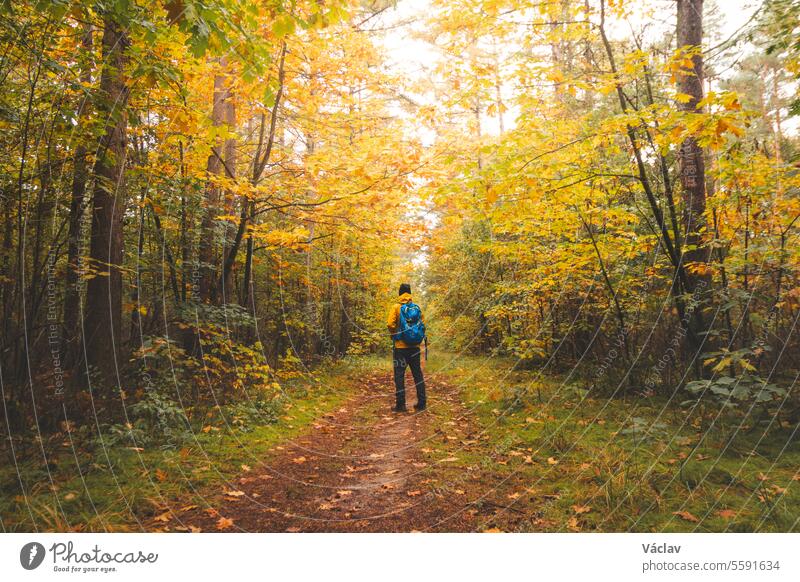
(635, 464)
(85, 486)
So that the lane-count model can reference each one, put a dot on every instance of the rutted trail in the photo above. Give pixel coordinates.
(365, 469)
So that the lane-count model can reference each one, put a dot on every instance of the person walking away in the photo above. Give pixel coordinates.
(407, 329)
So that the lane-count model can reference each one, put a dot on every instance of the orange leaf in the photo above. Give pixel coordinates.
(686, 515)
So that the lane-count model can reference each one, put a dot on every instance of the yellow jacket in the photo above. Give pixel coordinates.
(393, 321)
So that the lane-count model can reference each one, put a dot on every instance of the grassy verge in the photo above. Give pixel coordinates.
(636, 464)
(66, 485)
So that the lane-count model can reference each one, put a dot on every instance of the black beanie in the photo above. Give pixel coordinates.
(404, 288)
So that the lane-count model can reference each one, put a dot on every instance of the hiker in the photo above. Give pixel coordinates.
(408, 333)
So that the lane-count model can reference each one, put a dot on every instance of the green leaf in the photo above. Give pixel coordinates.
(284, 25)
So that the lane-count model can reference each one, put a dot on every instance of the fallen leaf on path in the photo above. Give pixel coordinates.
(188, 507)
(326, 507)
(458, 491)
(448, 460)
(299, 460)
(686, 515)
(344, 493)
(194, 529)
(246, 468)
(727, 513)
(413, 493)
(388, 486)
(572, 523)
(234, 493)
(161, 475)
(552, 461)
(164, 517)
(224, 523)
(581, 509)
(293, 529)
(492, 530)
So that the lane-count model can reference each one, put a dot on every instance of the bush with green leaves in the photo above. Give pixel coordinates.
(153, 418)
(732, 392)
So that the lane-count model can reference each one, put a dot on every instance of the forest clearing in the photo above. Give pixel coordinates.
(208, 205)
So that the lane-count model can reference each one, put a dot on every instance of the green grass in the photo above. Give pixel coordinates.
(89, 487)
(605, 463)
(584, 466)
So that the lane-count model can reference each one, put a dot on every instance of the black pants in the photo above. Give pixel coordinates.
(408, 357)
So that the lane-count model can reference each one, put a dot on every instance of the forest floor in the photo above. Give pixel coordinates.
(363, 468)
(497, 450)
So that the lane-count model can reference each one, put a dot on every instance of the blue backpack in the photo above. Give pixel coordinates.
(412, 330)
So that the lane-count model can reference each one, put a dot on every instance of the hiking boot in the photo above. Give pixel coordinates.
(419, 408)
(399, 409)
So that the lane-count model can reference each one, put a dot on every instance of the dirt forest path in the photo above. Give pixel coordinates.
(363, 468)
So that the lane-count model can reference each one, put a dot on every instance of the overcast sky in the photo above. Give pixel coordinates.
(412, 57)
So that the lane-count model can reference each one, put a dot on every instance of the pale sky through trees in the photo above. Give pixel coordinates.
(415, 58)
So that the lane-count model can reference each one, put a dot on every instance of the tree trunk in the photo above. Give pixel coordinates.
(80, 175)
(103, 321)
(692, 167)
(214, 167)
(226, 292)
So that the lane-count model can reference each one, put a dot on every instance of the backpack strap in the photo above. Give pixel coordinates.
(401, 324)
